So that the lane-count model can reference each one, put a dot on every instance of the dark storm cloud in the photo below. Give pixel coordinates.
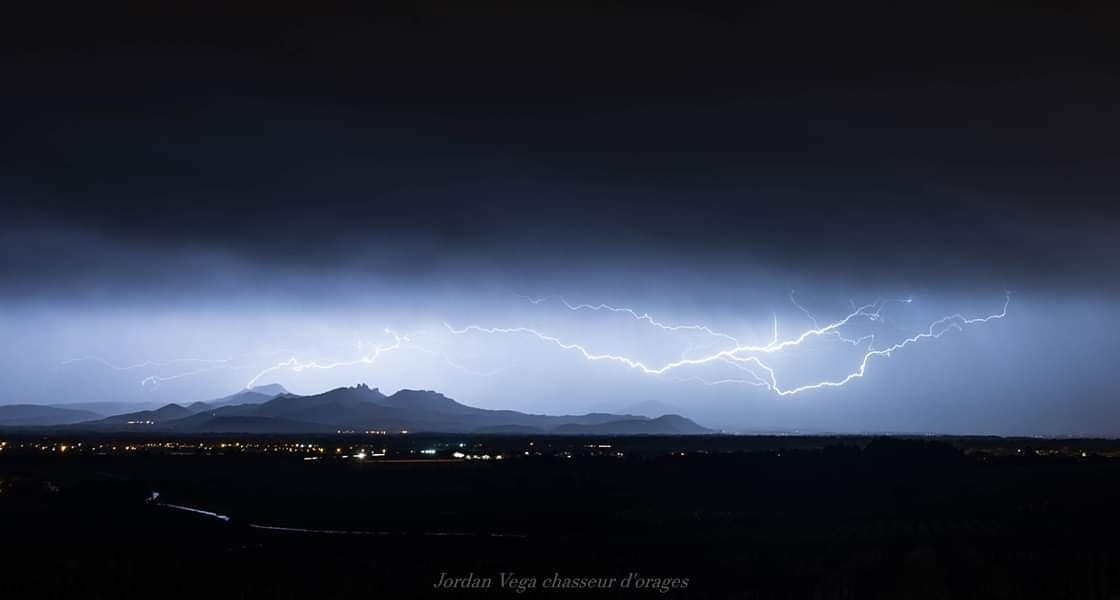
(943, 146)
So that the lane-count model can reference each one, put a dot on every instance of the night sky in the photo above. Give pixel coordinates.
(220, 192)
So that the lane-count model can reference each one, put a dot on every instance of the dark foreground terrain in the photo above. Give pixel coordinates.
(704, 517)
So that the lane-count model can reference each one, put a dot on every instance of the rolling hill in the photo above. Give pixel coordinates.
(30, 415)
(272, 409)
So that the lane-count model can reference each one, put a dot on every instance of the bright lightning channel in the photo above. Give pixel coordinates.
(640, 317)
(749, 358)
(142, 365)
(154, 381)
(400, 342)
(295, 365)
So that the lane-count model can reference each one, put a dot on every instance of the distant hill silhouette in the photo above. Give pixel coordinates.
(28, 415)
(255, 395)
(106, 408)
(271, 409)
(651, 408)
(96, 415)
(163, 414)
(665, 424)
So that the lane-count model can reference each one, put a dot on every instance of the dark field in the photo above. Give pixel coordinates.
(730, 518)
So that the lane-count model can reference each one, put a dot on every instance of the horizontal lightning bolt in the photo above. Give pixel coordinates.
(955, 321)
(295, 365)
(640, 317)
(872, 315)
(153, 381)
(748, 358)
(142, 365)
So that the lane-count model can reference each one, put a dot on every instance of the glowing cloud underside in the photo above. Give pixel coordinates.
(748, 358)
(753, 361)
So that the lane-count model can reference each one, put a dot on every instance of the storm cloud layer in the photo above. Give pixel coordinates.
(190, 184)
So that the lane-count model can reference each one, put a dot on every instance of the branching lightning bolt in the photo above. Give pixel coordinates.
(153, 381)
(637, 316)
(295, 365)
(369, 354)
(875, 314)
(752, 360)
(142, 365)
(749, 358)
(955, 321)
(400, 342)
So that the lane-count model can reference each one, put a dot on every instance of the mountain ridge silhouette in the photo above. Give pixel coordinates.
(364, 408)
